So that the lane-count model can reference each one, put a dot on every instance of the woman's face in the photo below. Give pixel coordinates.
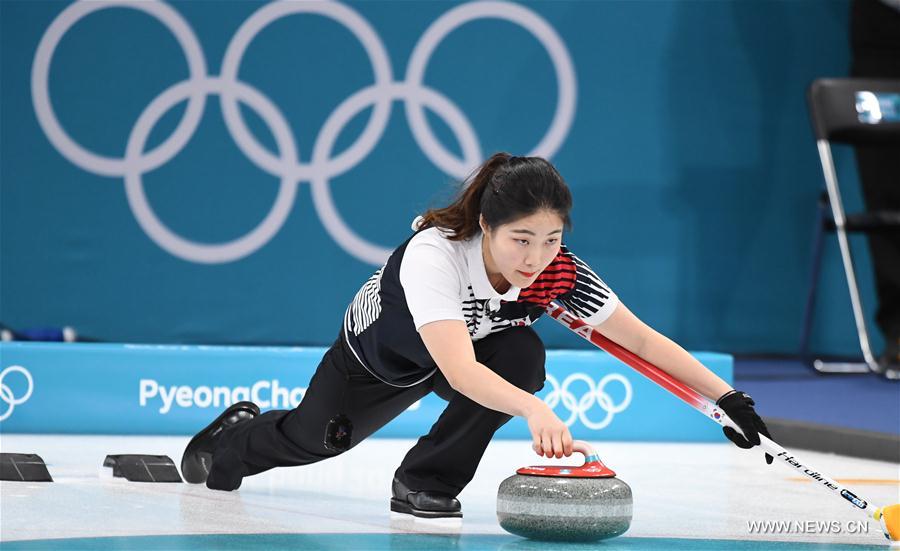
(521, 249)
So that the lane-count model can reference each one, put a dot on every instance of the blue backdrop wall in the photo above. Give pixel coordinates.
(137, 207)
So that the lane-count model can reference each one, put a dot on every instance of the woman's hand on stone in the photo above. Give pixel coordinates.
(550, 436)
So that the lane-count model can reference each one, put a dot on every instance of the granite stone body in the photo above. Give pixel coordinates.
(564, 509)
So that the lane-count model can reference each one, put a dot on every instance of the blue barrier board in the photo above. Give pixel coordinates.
(173, 389)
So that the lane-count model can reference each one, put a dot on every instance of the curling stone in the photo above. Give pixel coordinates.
(557, 503)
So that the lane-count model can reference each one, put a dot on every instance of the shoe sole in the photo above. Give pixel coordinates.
(400, 506)
(195, 464)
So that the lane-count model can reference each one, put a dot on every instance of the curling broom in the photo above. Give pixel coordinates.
(888, 517)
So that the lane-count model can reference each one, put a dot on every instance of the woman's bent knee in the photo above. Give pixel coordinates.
(517, 355)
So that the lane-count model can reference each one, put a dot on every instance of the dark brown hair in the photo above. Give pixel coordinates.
(503, 189)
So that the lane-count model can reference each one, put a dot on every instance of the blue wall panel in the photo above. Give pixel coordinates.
(688, 151)
(178, 389)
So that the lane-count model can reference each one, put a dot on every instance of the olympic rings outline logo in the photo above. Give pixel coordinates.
(322, 167)
(6, 393)
(595, 395)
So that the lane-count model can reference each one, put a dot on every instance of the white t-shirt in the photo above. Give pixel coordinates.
(431, 278)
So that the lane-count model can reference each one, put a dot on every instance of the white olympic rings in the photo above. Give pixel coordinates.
(595, 395)
(286, 164)
(6, 393)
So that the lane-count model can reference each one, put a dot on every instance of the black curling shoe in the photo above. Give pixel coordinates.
(423, 504)
(197, 458)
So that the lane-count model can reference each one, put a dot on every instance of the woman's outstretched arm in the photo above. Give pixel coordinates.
(625, 329)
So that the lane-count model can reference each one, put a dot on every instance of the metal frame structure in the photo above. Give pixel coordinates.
(852, 112)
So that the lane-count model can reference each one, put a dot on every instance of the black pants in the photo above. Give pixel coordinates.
(875, 41)
(444, 460)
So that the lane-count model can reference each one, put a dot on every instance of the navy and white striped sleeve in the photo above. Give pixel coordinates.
(590, 298)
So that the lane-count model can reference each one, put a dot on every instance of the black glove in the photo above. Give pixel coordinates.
(739, 407)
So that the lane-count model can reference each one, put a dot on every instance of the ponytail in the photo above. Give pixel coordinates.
(461, 216)
(503, 189)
